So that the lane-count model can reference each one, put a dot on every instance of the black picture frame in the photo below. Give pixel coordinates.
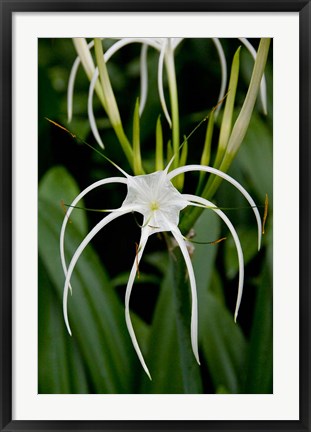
(7, 8)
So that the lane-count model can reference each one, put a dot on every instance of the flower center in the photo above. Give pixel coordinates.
(154, 205)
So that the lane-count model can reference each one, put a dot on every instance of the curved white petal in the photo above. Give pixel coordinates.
(224, 77)
(90, 109)
(205, 203)
(143, 78)
(176, 41)
(229, 179)
(108, 54)
(160, 84)
(70, 209)
(263, 84)
(88, 63)
(70, 88)
(143, 241)
(79, 251)
(194, 303)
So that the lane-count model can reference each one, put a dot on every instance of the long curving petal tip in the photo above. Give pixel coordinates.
(194, 307)
(259, 241)
(195, 200)
(160, 85)
(144, 78)
(141, 247)
(77, 254)
(196, 355)
(65, 313)
(224, 73)
(91, 116)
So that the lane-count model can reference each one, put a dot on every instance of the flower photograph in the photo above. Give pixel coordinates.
(155, 215)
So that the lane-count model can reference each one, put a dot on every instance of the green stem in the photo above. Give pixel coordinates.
(237, 135)
(159, 146)
(110, 104)
(171, 75)
(242, 122)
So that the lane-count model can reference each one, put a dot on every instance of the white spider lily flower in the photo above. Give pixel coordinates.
(166, 47)
(154, 196)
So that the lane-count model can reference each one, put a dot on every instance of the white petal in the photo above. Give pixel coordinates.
(194, 304)
(143, 78)
(236, 239)
(143, 240)
(83, 51)
(160, 84)
(77, 254)
(229, 179)
(263, 84)
(90, 109)
(71, 82)
(70, 209)
(176, 41)
(223, 66)
(126, 41)
(108, 54)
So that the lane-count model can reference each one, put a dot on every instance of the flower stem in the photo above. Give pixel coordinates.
(237, 135)
(110, 104)
(171, 75)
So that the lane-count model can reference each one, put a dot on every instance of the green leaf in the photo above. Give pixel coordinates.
(226, 123)
(242, 122)
(60, 366)
(95, 313)
(190, 369)
(59, 189)
(223, 344)
(221, 340)
(163, 358)
(260, 363)
(256, 157)
(249, 243)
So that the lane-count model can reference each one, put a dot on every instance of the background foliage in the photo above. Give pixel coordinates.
(99, 358)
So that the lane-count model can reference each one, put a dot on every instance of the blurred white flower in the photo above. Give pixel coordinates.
(166, 48)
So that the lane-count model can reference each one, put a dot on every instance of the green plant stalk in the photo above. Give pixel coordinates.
(159, 146)
(182, 162)
(237, 135)
(171, 75)
(206, 154)
(226, 124)
(110, 105)
(242, 122)
(137, 163)
(86, 59)
(169, 152)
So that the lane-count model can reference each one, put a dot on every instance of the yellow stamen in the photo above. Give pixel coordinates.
(154, 205)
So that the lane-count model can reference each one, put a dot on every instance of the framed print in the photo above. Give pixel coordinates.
(155, 171)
